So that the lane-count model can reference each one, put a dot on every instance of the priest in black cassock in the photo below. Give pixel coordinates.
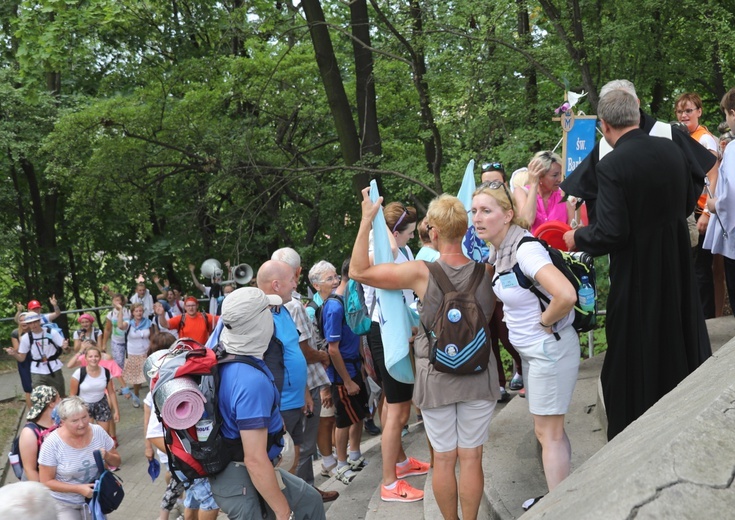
(655, 329)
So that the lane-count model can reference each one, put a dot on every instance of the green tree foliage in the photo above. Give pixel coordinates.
(145, 135)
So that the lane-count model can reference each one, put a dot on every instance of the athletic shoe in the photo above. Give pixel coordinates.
(371, 428)
(504, 396)
(414, 467)
(403, 492)
(404, 431)
(136, 400)
(516, 383)
(522, 392)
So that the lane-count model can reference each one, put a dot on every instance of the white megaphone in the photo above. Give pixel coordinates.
(211, 268)
(241, 273)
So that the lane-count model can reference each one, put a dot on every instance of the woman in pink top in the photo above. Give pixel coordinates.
(541, 199)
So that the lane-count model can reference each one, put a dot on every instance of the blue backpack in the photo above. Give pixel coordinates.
(357, 314)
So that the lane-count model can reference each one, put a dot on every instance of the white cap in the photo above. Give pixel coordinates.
(248, 323)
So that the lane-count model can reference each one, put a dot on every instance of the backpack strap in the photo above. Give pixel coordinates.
(82, 375)
(446, 286)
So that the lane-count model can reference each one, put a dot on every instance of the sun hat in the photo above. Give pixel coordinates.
(85, 316)
(30, 317)
(248, 323)
(40, 398)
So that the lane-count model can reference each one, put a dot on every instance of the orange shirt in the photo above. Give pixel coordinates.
(696, 135)
(194, 327)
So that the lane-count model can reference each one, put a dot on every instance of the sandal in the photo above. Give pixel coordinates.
(344, 474)
(528, 504)
(357, 464)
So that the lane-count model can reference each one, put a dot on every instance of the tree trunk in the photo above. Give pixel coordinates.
(339, 105)
(524, 35)
(433, 151)
(367, 112)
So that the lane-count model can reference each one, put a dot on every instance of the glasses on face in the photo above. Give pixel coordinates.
(496, 185)
(332, 279)
(492, 166)
(687, 111)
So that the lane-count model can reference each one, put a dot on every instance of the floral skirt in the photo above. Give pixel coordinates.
(133, 372)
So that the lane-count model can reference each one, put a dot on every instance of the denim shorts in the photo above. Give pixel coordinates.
(199, 496)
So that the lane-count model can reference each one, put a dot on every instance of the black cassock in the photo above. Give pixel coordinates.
(655, 328)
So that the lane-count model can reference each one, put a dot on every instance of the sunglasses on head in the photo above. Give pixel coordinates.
(492, 166)
(496, 185)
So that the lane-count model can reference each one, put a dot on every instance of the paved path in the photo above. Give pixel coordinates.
(142, 497)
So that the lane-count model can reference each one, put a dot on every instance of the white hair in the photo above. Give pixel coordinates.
(318, 270)
(27, 500)
(287, 255)
(618, 84)
(71, 406)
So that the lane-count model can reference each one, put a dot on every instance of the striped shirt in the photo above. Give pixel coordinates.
(316, 375)
(73, 466)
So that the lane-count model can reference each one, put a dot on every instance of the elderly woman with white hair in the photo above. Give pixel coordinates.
(66, 461)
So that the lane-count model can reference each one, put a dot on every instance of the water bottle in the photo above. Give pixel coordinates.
(586, 295)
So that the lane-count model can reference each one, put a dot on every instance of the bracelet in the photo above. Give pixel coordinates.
(544, 325)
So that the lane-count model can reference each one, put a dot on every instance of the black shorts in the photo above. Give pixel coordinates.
(349, 409)
(395, 391)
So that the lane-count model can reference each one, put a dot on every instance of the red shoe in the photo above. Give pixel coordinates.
(522, 392)
(403, 492)
(414, 467)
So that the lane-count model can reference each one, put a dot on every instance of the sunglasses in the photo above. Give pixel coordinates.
(496, 185)
(492, 166)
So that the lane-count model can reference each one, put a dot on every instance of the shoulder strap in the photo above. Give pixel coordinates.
(206, 322)
(82, 375)
(478, 274)
(108, 375)
(249, 360)
(440, 277)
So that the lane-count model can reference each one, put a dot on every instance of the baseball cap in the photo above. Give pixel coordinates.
(34, 304)
(40, 398)
(248, 323)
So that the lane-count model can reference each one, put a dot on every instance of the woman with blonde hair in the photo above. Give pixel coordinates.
(456, 408)
(541, 200)
(542, 335)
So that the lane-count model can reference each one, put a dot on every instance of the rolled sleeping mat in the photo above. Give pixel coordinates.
(181, 402)
(154, 362)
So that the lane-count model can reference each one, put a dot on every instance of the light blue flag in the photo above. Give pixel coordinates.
(473, 247)
(395, 324)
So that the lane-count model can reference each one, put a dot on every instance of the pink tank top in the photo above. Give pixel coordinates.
(557, 210)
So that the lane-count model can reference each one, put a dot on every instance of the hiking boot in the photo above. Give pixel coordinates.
(516, 383)
(403, 492)
(371, 428)
(414, 467)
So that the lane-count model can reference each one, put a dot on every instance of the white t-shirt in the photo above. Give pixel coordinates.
(73, 465)
(154, 429)
(522, 312)
(92, 389)
(138, 340)
(118, 336)
(37, 346)
(93, 334)
(709, 142)
(146, 300)
(169, 315)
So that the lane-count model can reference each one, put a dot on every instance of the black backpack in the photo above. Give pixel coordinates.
(108, 491)
(83, 375)
(573, 266)
(56, 355)
(459, 338)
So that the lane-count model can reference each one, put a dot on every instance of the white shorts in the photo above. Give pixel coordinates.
(458, 425)
(550, 370)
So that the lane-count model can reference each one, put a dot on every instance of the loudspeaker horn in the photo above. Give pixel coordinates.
(241, 273)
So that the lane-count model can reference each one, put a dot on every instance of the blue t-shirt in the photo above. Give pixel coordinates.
(336, 329)
(294, 363)
(246, 397)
